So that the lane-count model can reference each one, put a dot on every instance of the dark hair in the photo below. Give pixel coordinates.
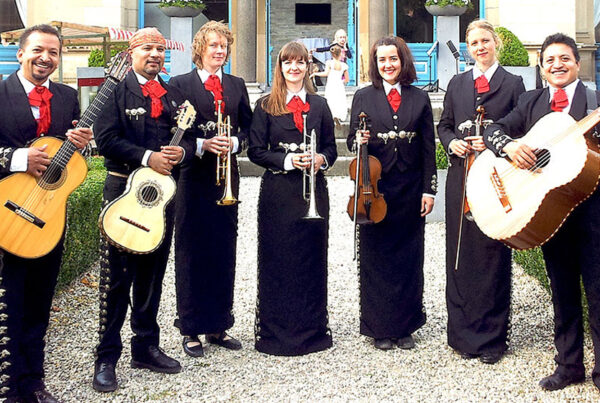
(559, 38)
(407, 75)
(44, 28)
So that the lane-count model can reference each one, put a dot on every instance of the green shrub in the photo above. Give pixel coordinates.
(83, 236)
(441, 158)
(512, 52)
(96, 58)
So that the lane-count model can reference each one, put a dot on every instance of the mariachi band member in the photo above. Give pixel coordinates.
(128, 140)
(478, 289)
(392, 251)
(206, 233)
(31, 106)
(291, 314)
(573, 253)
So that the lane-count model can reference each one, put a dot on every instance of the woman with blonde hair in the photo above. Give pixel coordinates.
(478, 287)
(291, 311)
(336, 72)
(206, 233)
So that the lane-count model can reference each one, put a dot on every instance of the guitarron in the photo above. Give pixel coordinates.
(525, 208)
(135, 221)
(33, 210)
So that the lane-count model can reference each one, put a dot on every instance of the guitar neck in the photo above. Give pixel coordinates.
(177, 137)
(587, 123)
(67, 149)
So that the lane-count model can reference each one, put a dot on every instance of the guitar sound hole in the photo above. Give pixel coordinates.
(543, 158)
(52, 176)
(149, 194)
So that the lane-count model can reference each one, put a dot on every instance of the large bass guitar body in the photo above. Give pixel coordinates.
(135, 221)
(33, 211)
(525, 208)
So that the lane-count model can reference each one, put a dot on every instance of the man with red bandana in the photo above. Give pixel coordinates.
(31, 106)
(133, 130)
(573, 253)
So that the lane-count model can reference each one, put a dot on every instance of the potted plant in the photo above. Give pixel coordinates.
(181, 8)
(447, 8)
(513, 56)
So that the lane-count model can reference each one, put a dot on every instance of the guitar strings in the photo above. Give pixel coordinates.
(66, 150)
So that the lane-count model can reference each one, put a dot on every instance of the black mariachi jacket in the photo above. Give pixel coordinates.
(121, 137)
(413, 115)
(17, 124)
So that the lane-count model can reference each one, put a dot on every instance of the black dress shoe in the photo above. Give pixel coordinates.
(467, 356)
(406, 343)
(43, 396)
(154, 359)
(491, 358)
(105, 378)
(192, 351)
(558, 381)
(224, 340)
(383, 344)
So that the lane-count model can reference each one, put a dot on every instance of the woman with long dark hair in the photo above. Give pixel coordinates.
(291, 313)
(400, 134)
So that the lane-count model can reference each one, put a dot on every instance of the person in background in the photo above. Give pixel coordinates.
(478, 289)
(340, 39)
(335, 93)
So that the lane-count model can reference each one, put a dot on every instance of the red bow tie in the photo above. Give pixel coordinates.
(213, 84)
(40, 97)
(395, 99)
(153, 89)
(482, 85)
(559, 100)
(297, 107)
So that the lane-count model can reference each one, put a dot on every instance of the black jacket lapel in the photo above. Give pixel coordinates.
(21, 110)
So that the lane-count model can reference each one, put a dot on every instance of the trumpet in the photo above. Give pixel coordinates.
(309, 194)
(224, 160)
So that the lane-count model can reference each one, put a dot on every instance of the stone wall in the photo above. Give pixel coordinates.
(284, 28)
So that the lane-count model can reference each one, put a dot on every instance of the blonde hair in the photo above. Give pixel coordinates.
(200, 40)
(335, 36)
(274, 103)
(336, 51)
(486, 26)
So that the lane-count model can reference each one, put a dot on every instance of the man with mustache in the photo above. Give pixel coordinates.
(129, 140)
(31, 106)
(573, 253)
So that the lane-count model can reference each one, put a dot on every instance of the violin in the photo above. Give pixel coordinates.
(365, 171)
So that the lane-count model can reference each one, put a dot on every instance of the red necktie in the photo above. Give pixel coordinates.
(395, 99)
(213, 84)
(153, 89)
(482, 85)
(40, 97)
(559, 100)
(297, 107)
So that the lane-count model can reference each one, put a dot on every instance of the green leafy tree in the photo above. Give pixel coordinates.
(512, 52)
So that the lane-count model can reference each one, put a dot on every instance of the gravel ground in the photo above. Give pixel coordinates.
(351, 370)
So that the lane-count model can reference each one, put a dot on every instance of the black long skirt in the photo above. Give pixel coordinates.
(205, 250)
(291, 314)
(478, 293)
(391, 258)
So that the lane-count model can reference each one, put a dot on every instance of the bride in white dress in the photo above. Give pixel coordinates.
(336, 72)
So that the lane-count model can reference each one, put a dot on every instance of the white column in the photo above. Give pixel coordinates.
(181, 31)
(447, 29)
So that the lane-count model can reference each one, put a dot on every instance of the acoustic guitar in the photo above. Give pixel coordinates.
(524, 208)
(33, 210)
(135, 221)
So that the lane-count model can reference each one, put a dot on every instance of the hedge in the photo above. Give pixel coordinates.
(83, 236)
(512, 52)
